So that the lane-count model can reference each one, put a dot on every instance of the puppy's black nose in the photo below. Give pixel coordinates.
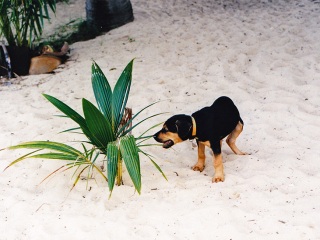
(155, 137)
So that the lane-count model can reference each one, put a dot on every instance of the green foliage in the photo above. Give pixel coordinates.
(59, 151)
(75, 30)
(129, 152)
(21, 21)
(105, 131)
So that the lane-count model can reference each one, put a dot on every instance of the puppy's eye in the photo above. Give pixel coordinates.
(165, 129)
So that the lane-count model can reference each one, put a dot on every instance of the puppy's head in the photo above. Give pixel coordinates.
(176, 129)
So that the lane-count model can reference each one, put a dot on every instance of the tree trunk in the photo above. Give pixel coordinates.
(105, 15)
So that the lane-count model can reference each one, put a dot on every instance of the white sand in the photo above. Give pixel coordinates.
(262, 54)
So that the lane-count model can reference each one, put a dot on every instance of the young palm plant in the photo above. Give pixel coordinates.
(105, 131)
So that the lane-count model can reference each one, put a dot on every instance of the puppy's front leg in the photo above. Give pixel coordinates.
(201, 157)
(217, 163)
(218, 167)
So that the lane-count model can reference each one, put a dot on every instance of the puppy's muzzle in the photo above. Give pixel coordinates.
(166, 143)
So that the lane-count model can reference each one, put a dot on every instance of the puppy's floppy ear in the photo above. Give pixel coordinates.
(183, 129)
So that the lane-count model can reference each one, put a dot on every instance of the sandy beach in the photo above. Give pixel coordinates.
(262, 54)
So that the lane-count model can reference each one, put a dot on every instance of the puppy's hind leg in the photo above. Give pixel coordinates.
(231, 139)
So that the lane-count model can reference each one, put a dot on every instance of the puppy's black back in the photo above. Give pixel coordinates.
(217, 121)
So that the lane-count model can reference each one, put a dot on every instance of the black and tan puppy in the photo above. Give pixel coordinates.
(208, 126)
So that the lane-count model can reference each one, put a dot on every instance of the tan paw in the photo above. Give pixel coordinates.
(242, 153)
(218, 178)
(198, 167)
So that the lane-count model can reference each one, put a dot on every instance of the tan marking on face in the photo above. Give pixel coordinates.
(169, 136)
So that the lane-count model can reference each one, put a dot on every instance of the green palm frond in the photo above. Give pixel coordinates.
(120, 94)
(113, 156)
(58, 151)
(78, 177)
(72, 114)
(130, 129)
(21, 158)
(130, 155)
(144, 138)
(102, 91)
(68, 111)
(98, 125)
(56, 146)
(21, 22)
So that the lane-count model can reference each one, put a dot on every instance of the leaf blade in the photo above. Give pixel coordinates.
(56, 146)
(130, 155)
(72, 114)
(102, 91)
(21, 159)
(56, 156)
(98, 125)
(120, 94)
(113, 155)
(135, 115)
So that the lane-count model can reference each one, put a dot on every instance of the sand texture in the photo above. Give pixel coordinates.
(262, 54)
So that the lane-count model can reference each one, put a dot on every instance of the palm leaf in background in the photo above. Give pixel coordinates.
(21, 22)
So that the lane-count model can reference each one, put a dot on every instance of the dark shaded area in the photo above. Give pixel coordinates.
(106, 15)
(102, 16)
(20, 58)
(82, 33)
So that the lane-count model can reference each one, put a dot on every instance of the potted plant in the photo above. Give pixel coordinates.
(105, 130)
(21, 22)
